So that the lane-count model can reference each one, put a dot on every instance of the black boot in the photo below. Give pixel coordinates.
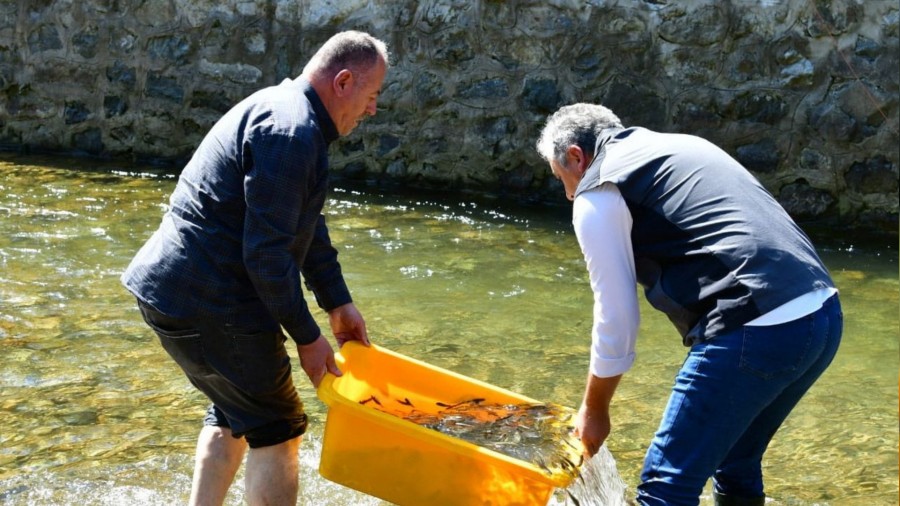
(736, 500)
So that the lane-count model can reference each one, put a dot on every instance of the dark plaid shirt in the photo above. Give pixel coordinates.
(245, 221)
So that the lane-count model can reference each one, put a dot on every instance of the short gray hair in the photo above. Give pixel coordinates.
(579, 124)
(352, 50)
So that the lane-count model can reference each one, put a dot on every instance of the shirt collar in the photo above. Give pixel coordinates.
(326, 124)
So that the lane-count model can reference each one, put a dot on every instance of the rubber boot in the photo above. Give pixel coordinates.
(735, 500)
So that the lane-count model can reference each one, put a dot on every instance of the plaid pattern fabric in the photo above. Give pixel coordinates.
(245, 221)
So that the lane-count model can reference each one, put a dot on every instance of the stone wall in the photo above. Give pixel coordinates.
(803, 92)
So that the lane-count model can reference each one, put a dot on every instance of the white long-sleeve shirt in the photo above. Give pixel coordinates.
(602, 225)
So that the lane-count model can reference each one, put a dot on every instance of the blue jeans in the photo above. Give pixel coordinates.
(730, 396)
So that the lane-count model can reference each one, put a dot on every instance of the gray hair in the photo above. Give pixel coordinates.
(578, 124)
(352, 50)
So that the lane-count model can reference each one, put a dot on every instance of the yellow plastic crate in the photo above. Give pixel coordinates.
(399, 461)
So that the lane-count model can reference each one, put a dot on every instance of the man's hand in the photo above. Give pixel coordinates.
(348, 325)
(592, 429)
(316, 358)
(592, 423)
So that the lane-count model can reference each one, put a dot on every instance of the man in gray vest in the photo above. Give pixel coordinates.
(721, 258)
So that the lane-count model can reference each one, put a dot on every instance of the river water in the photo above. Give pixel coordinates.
(95, 413)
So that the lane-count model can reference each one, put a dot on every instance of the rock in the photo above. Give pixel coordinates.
(802, 201)
(873, 175)
(121, 74)
(44, 38)
(759, 157)
(114, 106)
(76, 112)
(164, 87)
(798, 91)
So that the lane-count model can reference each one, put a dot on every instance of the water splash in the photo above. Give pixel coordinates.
(598, 484)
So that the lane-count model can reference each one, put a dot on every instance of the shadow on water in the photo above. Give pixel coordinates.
(95, 413)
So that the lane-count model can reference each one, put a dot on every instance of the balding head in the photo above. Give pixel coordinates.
(350, 50)
(347, 73)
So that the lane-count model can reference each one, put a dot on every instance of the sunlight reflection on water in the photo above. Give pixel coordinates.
(95, 413)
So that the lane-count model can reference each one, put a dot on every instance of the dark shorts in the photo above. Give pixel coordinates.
(245, 373)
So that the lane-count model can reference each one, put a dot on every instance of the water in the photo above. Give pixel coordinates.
(95, 413)
(540, 434)
(598, 484)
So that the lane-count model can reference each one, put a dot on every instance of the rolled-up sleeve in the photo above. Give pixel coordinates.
(602, 224)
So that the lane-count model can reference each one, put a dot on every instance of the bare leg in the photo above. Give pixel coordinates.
(272, 473)
(218, 458)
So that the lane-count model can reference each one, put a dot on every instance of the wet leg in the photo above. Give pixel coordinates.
(272, 474)
(218, 458)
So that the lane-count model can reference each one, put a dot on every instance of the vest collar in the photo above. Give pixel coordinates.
(592, 175)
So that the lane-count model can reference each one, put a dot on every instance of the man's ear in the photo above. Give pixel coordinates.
(575, 156)
(342, 82)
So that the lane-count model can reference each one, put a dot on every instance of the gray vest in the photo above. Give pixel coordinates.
(712, 248)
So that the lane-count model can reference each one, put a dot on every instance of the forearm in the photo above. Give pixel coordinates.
(592, 424)
(598, 393)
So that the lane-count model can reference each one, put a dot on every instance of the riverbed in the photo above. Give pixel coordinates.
(96, 413)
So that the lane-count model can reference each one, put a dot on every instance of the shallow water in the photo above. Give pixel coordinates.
(541, 434)
(95, 413)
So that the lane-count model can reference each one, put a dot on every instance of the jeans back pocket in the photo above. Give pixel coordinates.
(777, 350)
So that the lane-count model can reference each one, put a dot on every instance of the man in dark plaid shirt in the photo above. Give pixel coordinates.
(220, 278)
